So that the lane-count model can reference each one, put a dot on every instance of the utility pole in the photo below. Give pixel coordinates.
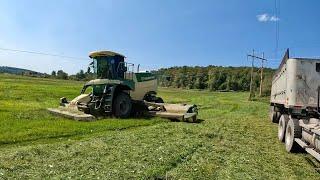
(251, 79)
(261, 73)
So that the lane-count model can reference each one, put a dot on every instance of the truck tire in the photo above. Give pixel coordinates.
(274, 115)
(159, 100)
(293, 130)
(122, 105)
(277, 117)
(283, 121)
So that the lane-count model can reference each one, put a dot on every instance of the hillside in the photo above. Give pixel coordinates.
(19, 71)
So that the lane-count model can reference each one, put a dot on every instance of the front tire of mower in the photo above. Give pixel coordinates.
(293, 130)
(122, 105)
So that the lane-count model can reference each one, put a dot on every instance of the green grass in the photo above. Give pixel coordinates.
(235, 140)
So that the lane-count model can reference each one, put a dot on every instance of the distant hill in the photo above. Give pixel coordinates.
(19, 71)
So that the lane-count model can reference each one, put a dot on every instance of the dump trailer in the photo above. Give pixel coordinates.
(294, 104)
(119, 91)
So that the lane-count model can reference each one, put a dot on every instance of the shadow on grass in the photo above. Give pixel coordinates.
(261, 99)
(315, 165)
(147, 116)
(198, 121)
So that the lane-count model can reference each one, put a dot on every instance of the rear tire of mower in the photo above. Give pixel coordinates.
(282, 127)
(293, 130)
(122, 105)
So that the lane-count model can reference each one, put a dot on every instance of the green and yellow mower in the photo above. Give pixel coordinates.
(119, 91)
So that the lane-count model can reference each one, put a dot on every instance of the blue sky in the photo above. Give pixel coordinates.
(156, 34)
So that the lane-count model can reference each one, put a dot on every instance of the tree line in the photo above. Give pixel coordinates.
(80, 76)
(215, 78)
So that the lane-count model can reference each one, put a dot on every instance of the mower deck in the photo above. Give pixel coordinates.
(180, 112)
(72, 114)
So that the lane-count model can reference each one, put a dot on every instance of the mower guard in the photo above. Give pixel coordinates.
(71, 113)
(180, 112)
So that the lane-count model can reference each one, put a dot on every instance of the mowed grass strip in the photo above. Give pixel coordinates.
(24, 118)
(235, 141)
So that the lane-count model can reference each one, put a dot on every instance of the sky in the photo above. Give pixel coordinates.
(155, 33)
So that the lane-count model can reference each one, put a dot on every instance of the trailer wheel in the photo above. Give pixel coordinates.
(122, 105)
(277, 117)
(274, 115)
(159, 100)
(293, 130)
(282, 127)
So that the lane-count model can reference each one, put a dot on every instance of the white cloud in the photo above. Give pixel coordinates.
(263, 17)
(274, 18)
(266, 17)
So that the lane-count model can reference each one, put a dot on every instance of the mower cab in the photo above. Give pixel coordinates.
(108, 65)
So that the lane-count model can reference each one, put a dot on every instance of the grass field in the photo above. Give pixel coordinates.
(235, 140)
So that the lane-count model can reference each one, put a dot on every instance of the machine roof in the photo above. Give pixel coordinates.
(104, 53)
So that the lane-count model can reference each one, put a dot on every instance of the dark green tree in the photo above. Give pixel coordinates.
(80, 75)
(62, 75)
(53, 73)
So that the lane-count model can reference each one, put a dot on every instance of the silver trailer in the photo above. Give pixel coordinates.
(294, 104)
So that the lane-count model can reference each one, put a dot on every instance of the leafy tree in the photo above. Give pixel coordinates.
(80, 75)
(62, 75)
(53, 73)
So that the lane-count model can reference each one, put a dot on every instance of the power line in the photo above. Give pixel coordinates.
(277, 26)
(42, 53)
